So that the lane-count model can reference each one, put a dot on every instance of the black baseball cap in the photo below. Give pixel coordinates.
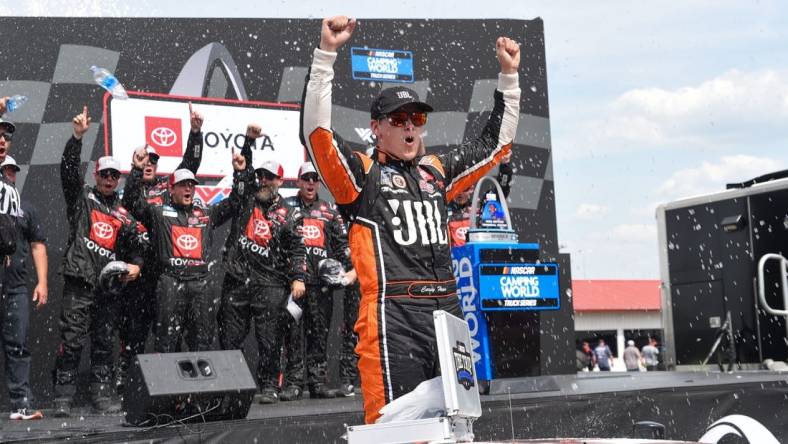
(391, 99)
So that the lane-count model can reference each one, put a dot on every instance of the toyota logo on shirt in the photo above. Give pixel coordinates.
(262, 229)
(163, 133)
(103, 230)
(187, 242)
(310, 232)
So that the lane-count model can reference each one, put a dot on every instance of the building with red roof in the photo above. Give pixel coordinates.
(616, 311)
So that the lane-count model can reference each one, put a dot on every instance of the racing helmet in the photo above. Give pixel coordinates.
(110, 277)
(331, 273)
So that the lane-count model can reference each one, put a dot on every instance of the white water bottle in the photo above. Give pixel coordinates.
(15, 102)
(106, 80)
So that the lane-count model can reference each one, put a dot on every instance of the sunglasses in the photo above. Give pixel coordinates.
(106, 174)
(310, 177)
(400, 118)
(153, 160)
(7, 136)
(267, 175)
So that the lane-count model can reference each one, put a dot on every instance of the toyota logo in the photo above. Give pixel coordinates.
(261, 228)
(163, 136)
(461, 232)
(310, 232)
(103, 230)
(187, 241)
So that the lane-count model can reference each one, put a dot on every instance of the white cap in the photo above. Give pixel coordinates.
(272, 167)
(107, 163)
(306, 168)
(151, 151)
(630, 342)
(9, 161)
(181, 175)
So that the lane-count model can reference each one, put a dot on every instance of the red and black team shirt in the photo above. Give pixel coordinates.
(264, 243)
(101, 229)
(324, 234)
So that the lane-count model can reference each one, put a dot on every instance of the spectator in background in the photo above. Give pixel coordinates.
(632, 357)
(650, 355)
(16, 306)
(604, 357)
(590, 358)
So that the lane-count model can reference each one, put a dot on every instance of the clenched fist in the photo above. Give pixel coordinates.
(336, 32)
(508, 52)
(254, 131)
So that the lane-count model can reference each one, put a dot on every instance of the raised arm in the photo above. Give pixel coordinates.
(505, 172)
(242, 179)
(133, 198)
(192, 157)
(70, 176)
(466, 164)
(341, 169)
(253, 132)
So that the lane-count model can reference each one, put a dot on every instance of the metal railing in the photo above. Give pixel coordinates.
(783, 286)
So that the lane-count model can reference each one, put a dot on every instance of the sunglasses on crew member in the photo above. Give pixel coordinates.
(106, 174)
(400, 118)
(310, 177)
(7, 136)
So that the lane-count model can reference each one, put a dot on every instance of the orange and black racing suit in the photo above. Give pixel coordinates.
(398, 238)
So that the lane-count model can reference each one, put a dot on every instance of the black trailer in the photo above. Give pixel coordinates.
(709, 249)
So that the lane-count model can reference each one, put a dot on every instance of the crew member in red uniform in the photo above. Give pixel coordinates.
(325, 237)
(264, 262)
(101, 231)
(396, 202)
(138, 304)
(181, 235)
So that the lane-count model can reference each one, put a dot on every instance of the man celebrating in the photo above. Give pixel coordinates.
(139, 300)
(181, 235)
(397, 205)
(325, 236)
(100, 231)
(264, 259)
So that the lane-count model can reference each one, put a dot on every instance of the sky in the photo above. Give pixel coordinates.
(648, 103)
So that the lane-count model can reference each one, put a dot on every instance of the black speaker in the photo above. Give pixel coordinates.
(192, 386)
